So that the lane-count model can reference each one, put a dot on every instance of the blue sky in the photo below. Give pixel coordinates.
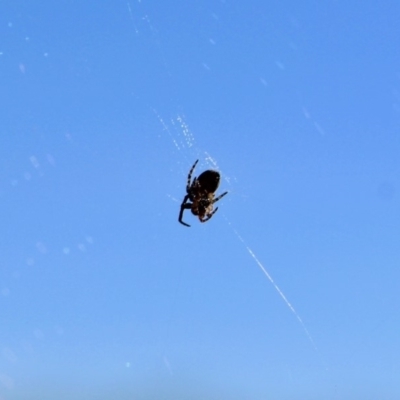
(105, 107)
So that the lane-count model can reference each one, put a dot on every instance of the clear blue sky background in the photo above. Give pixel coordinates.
(104, 107)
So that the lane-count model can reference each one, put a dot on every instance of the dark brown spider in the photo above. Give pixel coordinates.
(201, 194)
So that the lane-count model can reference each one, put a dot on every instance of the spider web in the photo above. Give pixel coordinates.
(183, 140)
(177, 130)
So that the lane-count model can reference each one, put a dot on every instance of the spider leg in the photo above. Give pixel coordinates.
(216, 209)
(184, 206)
(209, 216)
(190, 176)
(218, 198)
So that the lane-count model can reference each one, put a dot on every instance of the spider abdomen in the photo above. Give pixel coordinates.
(208, 181)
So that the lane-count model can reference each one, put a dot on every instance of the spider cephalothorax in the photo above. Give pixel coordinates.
(201, 194)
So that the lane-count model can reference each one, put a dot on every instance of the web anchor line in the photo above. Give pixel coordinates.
(281, 294)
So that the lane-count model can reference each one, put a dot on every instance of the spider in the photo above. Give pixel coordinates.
(201, 194)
